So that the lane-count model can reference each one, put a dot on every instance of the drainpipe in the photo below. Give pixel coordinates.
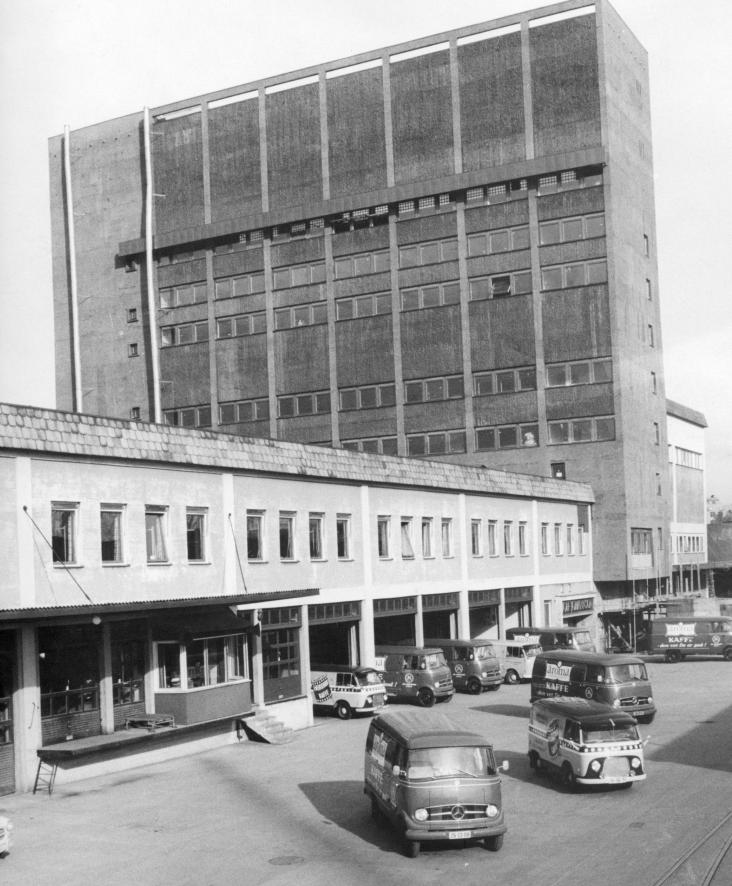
(76, 359)
(151, 309)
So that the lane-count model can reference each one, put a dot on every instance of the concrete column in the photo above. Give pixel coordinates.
(461, 550)
(257, 671)
(27, 709)
(367, 642)
(305, 658)
(106, 689)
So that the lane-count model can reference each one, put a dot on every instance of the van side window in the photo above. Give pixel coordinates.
(595, 674)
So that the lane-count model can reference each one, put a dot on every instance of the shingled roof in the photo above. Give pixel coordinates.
(75, 435)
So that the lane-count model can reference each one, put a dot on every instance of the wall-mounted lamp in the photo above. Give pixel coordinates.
(96, 620)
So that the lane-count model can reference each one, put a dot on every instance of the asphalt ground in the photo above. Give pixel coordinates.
(295, 814)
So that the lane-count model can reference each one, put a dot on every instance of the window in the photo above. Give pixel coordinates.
(359, 265)
(132, 315)
(241, 324)
(508, 538)
(427, 253)
(491, 242)
(523, 551)
(651, 340)
(155, 534)
(132, 350)
(298, 275)
(446, 536)
(287, 536)
(180, 296)
(315, 532)
(656, 433)
(570, 540)
(190, 417)
(255, 540)
(196, 534)
(558, 539)
(244, 410)
(431, 389)
(383, 445)
(135, 413)
(500, 286)
(434, 296)
(303, 404)
(641, 541)
(363, 306)
(654, 383)
(427, 537)
(583, 525)
(505, 381)
(406, 536)
(545, 539)
(232, 287)
(492, 538)
(568, 229)
(580, 372)
(582, 430)
(476, 533)
(383, 530)
(301, 315)
(437, 443)
(370, 397)
(187, 334)
(579, 274)
(559, 471)
(208, 661)
(110, 520)
(63, 532)
(507, 437)
(343, 536)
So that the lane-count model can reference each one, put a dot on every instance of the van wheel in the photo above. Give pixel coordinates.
(474, 686)
(512, 677)
(728, 653)
(673, 656)
(411, 848)
(569, 780)
(343, 710)
(426, 697)
(494, 843)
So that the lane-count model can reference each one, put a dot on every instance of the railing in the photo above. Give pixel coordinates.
(70, 701)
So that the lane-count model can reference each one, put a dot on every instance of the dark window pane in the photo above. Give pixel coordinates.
(388, 395)
(507, 438)
(368, 398)
(416, 445)
(349, 399)
(344, 309)
(485, 439)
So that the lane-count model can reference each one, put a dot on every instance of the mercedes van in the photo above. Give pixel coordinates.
(516, 658)
(559, 637)
(344, 690)
(473, 664)
(433, 780)
(620, 681)
(584, 742)
(415, 673)
(675, 638)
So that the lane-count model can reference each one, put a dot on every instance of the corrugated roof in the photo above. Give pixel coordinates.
(79, 436)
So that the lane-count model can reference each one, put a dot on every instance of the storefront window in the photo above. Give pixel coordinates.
(209, 661)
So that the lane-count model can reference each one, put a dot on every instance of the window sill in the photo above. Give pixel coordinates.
(159, 563)
(110, 565)
(199, 562)
(58, 565)
(346, 560)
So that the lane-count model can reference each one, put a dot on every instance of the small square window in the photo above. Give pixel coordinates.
(132, 350)
(344, 309)
(387, 395)
(368, 398)
(135, 413)
(435, 389)
(349, 399)
(132, 315)
(413, 392)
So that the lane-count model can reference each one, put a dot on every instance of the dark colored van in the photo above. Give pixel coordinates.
(620, 681)
(415, 673)
(559, 637)
(433, 780)
(473, 664)
(675, 638)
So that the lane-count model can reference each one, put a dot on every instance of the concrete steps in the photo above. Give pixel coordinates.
(266, 727)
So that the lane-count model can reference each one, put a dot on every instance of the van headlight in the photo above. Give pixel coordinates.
(491, 811)
(437, 684)
(616, 703)
(635, 763)
(596, 766)
(421, 814)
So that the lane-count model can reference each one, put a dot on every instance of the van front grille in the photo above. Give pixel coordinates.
(632, 701)
(457, 812)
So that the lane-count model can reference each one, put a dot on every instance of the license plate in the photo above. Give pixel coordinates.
(460, 835)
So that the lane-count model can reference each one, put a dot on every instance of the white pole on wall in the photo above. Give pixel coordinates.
(154, 355)
(76, 359)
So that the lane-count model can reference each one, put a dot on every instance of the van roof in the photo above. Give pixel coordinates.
(427, 729)
(460, 643)
(406, 650)
(547, 629)
(600, 658)
(583, 709)
(341, 669)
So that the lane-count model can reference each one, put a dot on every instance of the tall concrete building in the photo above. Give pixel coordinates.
(444, 249)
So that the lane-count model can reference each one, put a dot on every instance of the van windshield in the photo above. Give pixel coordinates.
(580, 638)
(610, 731)
(484, 652)
(369, 678)
(427, 764)
(626, 673)
(431, 660)
(531, 651)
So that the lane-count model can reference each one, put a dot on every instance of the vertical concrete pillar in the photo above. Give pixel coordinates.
(106, 688)
(27, 709)
(367, 644)
(461, 551)
(257, 670)
(305, 658)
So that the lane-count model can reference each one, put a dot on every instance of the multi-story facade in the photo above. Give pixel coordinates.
(167, 571)
(440, 249)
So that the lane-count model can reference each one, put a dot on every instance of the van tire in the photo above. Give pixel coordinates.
(493, 844)
(411, 848)
(673, 656)
(569, 780)
(426, 697)
(512, 677)
(727, 653)
(474, 686)
(343, 710)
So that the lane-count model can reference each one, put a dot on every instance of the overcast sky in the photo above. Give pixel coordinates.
(78, 62)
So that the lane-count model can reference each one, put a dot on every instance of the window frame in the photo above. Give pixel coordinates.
(287, 523)
(161, 515)
(257, 518)
(119, 511)
(316, 520)
(201, 532)
(68, 536)
(383, 536)
(343, 536)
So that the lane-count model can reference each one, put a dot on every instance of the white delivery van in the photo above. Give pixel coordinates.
(516, 658)
(346, 690)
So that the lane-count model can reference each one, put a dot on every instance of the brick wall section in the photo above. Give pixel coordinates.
(24, 428)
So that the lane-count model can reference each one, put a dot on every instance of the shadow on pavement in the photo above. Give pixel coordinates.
(504, 710)
(705, 745)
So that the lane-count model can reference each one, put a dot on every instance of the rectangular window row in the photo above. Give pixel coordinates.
(641, 541)
(363, 306)
(360, 265)
(500, 285)
(303, 404)
(492, 242)
(429, 389)
(424, 204)
(570, 178)
(301, 315)
(185, 334)
(497, 193)
(244, 410)
(487, 543)
(505, 381)
(553, 539)
(299, 228)
(689, 544)
(190, 417)
(180, 296)
(246, 284)
(298, 275)
(587, 273)
(436, 443)
(413, 535)
(200, 662)
(582, 372)
(688, 458)
(113, 547)
(374, 445)
(506, 437)
(565, 230)
(433, 296)
(368, 397)
(243, 324)
(421, 254)
(288, 538)
(582, 430)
